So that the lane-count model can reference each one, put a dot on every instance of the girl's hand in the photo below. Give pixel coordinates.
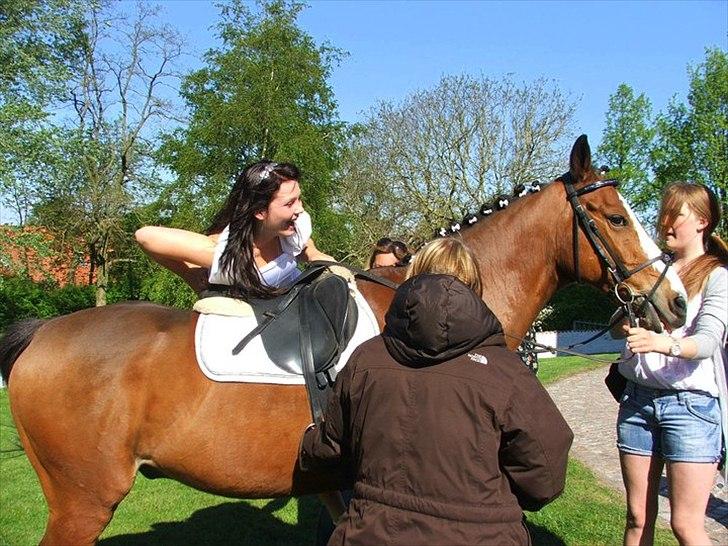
(640, 340)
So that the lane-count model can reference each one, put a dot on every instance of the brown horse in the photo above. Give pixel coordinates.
(102, 393)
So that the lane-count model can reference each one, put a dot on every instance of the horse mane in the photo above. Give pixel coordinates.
(502, 201)
(487, 209)
(16, 339)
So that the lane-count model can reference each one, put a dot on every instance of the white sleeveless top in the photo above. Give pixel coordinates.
(281, 271)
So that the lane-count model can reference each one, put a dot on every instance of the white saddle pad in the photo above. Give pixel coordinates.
(217, 335)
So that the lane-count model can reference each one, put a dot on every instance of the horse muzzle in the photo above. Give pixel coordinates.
(655, 313)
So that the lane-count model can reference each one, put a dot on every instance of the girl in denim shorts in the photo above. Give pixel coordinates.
(673, 410)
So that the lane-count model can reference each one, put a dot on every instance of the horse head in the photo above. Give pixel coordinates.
(612, 250)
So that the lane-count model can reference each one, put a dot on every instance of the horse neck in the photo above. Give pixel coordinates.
(519, 250)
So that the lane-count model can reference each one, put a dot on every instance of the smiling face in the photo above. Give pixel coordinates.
(284, 207)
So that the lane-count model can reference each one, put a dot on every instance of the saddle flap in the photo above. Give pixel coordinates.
(330, 315)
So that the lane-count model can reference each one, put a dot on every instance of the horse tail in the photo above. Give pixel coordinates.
(16, 339)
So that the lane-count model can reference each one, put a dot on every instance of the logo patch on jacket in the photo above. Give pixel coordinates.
(480, 359)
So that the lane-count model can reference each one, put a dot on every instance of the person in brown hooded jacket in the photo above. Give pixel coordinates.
(446, 435)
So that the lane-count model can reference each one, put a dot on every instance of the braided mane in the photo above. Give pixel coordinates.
(488, 209)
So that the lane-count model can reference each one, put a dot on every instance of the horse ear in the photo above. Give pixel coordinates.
(580, 164)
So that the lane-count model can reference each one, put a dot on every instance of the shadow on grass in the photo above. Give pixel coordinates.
(541, 536)
(234, 522)
(238, 522)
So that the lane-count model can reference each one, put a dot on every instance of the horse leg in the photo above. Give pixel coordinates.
(80, 448)
(81, 500)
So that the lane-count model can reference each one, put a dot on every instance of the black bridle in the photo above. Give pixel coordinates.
(618, 272)
(608, 257)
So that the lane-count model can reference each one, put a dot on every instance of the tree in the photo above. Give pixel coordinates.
(40, 43)
(443, 151)
(117, 93)
(692, 139)
(626, 144)
(263, 93)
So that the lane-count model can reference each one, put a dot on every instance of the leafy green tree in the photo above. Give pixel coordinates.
(40, 43)
(692, 139)
(263, 93)
(22, 298)
(671, 155)
(577, 302)
(626, 144)
(114, 97)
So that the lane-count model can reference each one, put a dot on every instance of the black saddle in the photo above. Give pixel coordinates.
(307, 327)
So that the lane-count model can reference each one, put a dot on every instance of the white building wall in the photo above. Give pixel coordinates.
(602, 344)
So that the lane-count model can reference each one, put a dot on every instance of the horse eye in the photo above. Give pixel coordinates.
(617, 220)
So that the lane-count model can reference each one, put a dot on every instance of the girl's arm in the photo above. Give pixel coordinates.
(185, 253)
(311, 254)
(193, 249)
(640, 340)
(710, 325)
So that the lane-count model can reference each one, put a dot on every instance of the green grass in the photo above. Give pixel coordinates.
(553, 369)
(164, 512)
(587, 513)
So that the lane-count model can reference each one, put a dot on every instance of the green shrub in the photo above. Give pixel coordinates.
(21, 298)
(577, 302)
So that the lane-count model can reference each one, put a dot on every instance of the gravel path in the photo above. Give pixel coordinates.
(595, 442)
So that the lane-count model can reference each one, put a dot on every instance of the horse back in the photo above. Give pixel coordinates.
(378, 296)
(96, 357)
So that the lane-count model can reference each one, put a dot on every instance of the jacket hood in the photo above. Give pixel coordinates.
(434, 318)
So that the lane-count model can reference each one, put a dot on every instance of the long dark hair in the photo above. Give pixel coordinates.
(251, 193)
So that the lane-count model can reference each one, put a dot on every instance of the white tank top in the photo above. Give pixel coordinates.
(283, 270)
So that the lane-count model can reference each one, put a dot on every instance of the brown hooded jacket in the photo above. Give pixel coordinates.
(446, 434)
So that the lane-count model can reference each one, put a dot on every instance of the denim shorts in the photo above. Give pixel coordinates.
(679, 426)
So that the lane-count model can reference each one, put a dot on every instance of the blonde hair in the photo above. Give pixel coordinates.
(448, 256)
(703, 203)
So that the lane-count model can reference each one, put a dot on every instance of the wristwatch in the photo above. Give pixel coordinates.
(675, 349)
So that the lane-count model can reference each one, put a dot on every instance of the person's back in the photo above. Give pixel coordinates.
(448, 435)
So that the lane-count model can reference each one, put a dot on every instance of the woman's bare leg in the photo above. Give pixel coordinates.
(690, 485)
(641, 475)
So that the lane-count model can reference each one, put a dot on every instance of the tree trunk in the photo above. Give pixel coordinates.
(102, 270)
(101, 284)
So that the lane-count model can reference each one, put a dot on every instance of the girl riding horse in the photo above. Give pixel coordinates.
(254, 242)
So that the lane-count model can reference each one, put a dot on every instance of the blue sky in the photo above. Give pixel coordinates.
(587, 48)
